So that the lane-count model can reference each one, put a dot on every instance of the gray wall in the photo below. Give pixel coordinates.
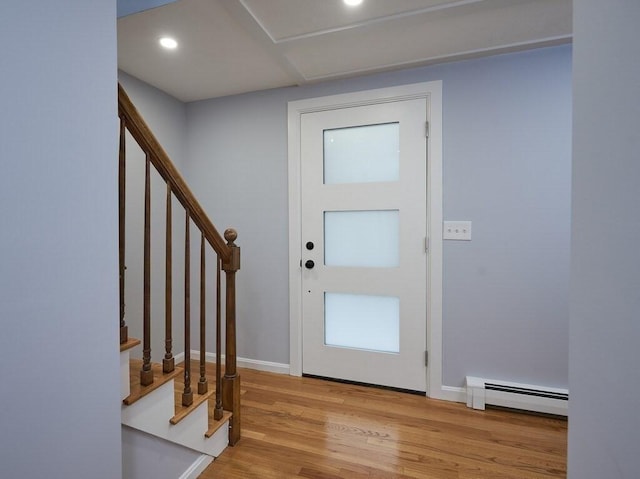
(166, 117)
(60, 414)
(604, 424)
(507, 160)
(507, 166)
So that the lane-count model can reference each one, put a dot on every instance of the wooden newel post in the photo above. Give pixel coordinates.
(231, 380)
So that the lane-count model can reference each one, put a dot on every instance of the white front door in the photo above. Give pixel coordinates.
(363, 231)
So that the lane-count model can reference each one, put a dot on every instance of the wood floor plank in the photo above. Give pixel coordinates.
(316, 429)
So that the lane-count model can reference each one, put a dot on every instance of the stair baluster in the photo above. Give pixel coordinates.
(187, 395)
(146, 374)
(218, 411)
(202, 383)
(168, 362)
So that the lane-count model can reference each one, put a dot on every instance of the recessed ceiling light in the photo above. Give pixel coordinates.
(352, 3)
(168, 43)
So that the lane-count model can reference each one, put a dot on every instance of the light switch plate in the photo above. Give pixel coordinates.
(457, 230)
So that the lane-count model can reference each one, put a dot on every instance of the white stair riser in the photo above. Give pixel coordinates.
(124, 374)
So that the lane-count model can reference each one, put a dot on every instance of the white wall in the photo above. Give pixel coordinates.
(604, 424)
(507, 160)
(166, 118)
(60, 414)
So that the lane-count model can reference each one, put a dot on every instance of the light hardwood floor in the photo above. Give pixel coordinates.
(310, 428)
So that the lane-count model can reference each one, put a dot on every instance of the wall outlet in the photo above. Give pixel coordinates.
(457, 230)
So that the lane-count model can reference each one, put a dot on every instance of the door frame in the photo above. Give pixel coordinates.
(433, 92)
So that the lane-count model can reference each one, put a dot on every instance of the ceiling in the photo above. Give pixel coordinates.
(236, 46)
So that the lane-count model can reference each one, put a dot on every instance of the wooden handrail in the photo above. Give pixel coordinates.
(159, 158)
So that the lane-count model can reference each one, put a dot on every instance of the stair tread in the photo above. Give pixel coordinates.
(137, 391)
(215, 425)
(131, 343)
(184, 411)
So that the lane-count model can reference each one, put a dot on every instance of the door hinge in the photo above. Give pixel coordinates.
(426, 129)
(426, 358)
(426, 244)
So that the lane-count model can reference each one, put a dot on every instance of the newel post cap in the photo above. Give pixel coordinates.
(230, 235)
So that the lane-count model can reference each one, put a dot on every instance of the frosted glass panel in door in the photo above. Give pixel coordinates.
(362, 322)
(362, 238)
(362, 154)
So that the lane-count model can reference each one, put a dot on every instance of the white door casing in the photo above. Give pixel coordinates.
(432, 93)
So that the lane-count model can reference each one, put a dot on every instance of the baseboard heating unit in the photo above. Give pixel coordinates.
(481, 392)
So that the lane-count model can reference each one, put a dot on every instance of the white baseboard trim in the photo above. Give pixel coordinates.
(269, 366)
(451, 393)
(197, 467)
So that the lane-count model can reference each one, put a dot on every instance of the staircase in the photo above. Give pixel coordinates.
(158, 398)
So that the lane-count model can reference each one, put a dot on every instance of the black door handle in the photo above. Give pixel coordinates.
(309, 264)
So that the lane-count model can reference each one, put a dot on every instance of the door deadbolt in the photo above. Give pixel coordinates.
(309, 264)
(310, 245)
